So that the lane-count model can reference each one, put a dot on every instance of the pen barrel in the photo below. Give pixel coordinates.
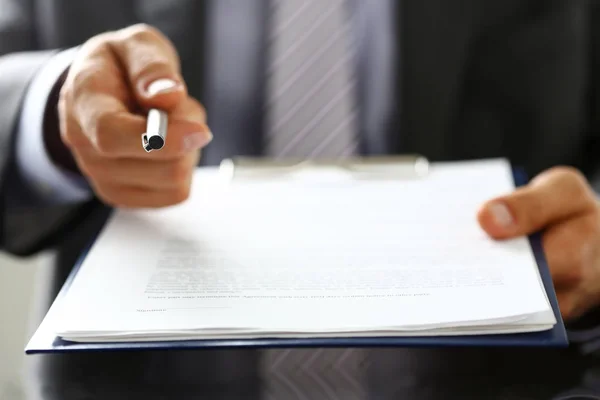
(157, 123)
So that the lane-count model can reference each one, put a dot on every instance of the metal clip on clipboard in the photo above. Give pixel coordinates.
(376, 167)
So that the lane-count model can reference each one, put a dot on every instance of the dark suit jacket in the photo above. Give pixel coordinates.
(473, 79)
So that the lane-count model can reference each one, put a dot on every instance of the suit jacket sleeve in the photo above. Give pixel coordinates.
(24, 229)
(594, 68)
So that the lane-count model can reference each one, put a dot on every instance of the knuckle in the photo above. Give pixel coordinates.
(567, 172)
(85, 79)
(573, 185)
(96, 43)
(149, 51)
(102, 135)
(573, 179)
(141, 33)
(90, 62)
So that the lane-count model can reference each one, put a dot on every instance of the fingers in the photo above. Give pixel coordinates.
(568, 304)
(98, 96)
(571, 247)
(134, 197)
(142, 174)
(574, 303)
(151, 65)
(114, 80)
(551, 197)
(189, 110)
(115, 133)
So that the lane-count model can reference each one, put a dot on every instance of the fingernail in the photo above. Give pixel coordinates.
(501, 215)
(195, 141)
(162, 86)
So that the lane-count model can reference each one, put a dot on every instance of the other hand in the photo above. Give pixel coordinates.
(560, 202)
(115, 78)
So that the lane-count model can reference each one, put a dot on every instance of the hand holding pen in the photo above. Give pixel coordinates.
(125, 85)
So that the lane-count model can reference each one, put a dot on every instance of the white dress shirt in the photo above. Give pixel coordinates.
(48, 182)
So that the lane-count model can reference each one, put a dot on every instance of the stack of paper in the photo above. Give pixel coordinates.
(309, 257)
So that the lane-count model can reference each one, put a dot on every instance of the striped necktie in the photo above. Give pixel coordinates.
(311, 80)
(311, 114)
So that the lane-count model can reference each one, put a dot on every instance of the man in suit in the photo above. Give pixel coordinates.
(299, 78)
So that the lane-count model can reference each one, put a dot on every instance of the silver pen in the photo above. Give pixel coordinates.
(156, 130)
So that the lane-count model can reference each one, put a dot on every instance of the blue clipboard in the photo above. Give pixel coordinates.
(46, 342)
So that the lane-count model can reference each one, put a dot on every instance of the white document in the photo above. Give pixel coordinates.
(306, 257)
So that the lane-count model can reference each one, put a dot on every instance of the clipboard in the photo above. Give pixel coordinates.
(407, 167)
(379, 167)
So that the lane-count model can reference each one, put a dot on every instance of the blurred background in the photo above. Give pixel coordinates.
(17, 283)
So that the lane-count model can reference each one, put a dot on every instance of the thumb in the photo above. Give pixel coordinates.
(151, 66)
(552, 196)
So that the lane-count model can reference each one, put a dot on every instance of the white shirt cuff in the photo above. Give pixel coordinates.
(47, 181)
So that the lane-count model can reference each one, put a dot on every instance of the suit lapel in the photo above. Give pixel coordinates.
(433, 40)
